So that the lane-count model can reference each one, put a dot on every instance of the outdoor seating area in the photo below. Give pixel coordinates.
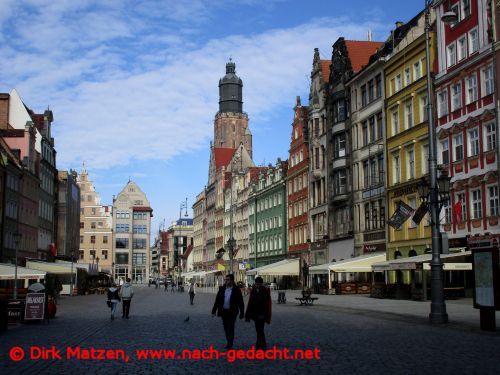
(306, 298)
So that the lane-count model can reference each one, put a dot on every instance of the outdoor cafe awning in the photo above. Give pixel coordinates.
(449, 261)
(286, 267)
(54, 268)
(363, 263)
(7, 272)
(188, 274)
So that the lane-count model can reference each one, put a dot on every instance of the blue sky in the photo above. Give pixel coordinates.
(134, 84)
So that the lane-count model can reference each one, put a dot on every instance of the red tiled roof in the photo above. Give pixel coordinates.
(325, 69)
(223, 156)
(360, 52)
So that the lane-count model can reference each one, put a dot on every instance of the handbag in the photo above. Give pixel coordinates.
(109, 303)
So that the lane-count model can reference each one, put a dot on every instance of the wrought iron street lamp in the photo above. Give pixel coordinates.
(438, 308)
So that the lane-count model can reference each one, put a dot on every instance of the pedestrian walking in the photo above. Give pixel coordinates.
(259, 310)
(113, 298)
(228, 303)
(172, 290)
(192, 292)
(126, 293)
(165, 285)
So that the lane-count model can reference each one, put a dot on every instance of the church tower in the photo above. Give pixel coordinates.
(231, 123)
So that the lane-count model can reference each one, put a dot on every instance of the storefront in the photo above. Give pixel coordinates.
(457, 269)
(348, 276)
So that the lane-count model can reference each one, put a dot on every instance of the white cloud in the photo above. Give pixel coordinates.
(113, 110)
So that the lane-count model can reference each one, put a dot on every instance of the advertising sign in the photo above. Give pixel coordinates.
(485, 269)
(35, 306)
(15, 309)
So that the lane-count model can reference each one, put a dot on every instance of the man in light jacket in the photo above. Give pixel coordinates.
(126, 293)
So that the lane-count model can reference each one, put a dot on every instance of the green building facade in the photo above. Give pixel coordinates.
(267, 216)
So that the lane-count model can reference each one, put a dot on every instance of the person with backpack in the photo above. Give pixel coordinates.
(126, 293)
(192, 292)
(113, 299)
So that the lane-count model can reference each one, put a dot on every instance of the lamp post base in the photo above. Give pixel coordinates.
(438, 317)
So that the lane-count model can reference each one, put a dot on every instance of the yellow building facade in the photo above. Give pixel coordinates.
(407, 144)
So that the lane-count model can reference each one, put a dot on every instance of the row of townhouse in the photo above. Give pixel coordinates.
(360, 147)
(116, 238)
(39, 205)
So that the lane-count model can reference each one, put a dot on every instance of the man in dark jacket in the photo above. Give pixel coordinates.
(228, 303)
(259, 310)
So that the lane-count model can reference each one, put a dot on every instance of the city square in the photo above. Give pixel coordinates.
(354, 334)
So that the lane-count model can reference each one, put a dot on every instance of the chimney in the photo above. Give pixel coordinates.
(4, 111)
(370, 35)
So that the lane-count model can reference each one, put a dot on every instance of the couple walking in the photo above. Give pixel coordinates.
(115, 295)
(229, 304)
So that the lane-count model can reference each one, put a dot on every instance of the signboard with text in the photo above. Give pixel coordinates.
(35, 306)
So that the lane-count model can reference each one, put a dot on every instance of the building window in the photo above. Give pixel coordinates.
(476, 204)
(410, 154)
(474, 142)
(378, 84)
(104, 239)
(82, 225)
(490, 136)
(340, 182)
(92, 239)
(455, 9)
(459, 148)
(451, 55)
(445, 156)
(447, 212)
(398, 83)
(364, 99)
(423, 108)
(471, 89)
(407, 76)
(381, 205)
(372, 129)
(104, 254)
(463, 212)
(81, 239)
(395, 123)
(409, 115)
(367, 216)
(443, 103)
(425, 159)
(417, 70)
(493, 194)
(465, 9)
(371, 90)
(380, 126)
(396, 168)
(121, 243)
(488, 82)
(366, 174)
(339, 145)
(92, 225)
(462, 49)
(457, 96)
(473, 41)
(365, 133)
(81, 254)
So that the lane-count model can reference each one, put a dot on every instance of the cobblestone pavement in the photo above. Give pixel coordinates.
(351, 340)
